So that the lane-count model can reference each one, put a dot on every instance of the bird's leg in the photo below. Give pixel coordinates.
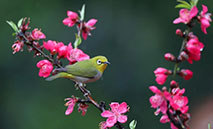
(82, 87)
(76, 86)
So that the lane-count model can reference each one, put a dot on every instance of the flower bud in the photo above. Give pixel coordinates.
(186, 74)
(173, 84)
(179, 32)
(169, 57)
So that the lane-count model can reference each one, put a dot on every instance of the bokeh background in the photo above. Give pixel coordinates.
(133, 34)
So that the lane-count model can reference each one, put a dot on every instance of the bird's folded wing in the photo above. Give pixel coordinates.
(82, 69)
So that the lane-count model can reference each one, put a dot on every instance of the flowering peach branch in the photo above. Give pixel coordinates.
(60, 51)
(172, 104)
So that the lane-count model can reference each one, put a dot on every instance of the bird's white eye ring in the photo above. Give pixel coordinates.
(99, 62)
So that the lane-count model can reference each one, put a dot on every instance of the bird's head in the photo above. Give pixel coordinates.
(100, 63)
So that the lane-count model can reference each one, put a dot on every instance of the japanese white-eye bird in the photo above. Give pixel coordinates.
(84, 71)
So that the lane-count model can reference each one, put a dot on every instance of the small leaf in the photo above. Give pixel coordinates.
(77, 41)
(13, 34)
(183, 6)
(194, 3)
(13, 25)
(184, 2)
(20, 22)
(133, 124)
(82, 13)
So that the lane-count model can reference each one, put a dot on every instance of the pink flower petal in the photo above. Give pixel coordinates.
(91, 22)
(177, 21)
(173, 127)
(205, 10)
(107, 114)
(110, 122)
(84, 35)
(161, 79)
(155, 90)
(123, 108)
(193, 12)
(72, 15)
(122, 118)
(184, 109)
(69, 109)
(164, 119)
(114, 105)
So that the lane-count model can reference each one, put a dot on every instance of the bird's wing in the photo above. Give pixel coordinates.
(82, 69)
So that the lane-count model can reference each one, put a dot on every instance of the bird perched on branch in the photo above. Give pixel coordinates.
(84, 71)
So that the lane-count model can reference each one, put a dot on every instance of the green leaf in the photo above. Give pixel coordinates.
(13, 34)
(77, 41)
(133, 124)
(82, 13)
(183, 6)
(194, 3)
(13, 25)
(20, 22)
(209, 126)
(184, 2)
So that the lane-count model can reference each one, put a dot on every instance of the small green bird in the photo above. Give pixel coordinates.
(84, 71)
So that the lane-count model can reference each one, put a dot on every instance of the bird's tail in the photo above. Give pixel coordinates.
(60, 75)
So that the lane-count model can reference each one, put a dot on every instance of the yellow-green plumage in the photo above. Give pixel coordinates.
(83, 71)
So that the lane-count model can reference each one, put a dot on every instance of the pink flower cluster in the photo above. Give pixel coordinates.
(84, 27)
(114, 115)
(186, 17)
(162, 74)
(175, 99)
(63, 51)
(36, 35)
(172, 104)
(71, 104)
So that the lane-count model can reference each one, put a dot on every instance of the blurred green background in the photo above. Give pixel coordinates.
(133, 34)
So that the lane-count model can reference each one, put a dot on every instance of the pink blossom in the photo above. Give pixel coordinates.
(46, 68)
(186, 74)
(71, 19)
(159, 100)
(87, 27)
(82, 107)
(179, 102)
(169, 57)
(103, 125)
(17, 46)
(71, 104)
(161, 75)
(115, 114)
(62, 50)
(75, 55)
(50, 46)
(37, 34)
(165, 119)
(194, 48)
(205, 19)
(186, 15)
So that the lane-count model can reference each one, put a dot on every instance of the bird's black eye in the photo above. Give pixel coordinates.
(99, 62)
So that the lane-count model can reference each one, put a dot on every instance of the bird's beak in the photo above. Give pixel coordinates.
(106, 62)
